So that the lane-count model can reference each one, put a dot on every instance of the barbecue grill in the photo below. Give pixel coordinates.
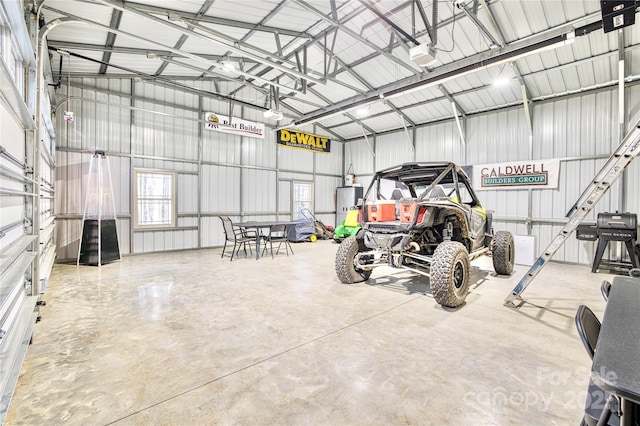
(617, 227)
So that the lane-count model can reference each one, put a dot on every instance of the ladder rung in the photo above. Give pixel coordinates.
(606, 176)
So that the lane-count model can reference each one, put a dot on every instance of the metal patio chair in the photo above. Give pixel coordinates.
(277, 234)
(235, 235)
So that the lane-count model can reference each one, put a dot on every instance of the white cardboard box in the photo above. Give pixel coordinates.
(525, 246)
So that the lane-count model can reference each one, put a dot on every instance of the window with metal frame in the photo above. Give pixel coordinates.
(301, 198)
(154, 198)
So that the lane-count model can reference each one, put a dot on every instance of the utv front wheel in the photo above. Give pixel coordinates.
(449, 277)
(503, 253)
(345, 268)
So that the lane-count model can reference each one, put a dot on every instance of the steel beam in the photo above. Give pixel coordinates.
(502, 42)
(451, 99)
(67, 45)
(225, 76)
(356, 36)
(126, 8)
(384, 18)
(480, 25)
(214, 20)
(425, 20)
(454, 70)
(116, 16)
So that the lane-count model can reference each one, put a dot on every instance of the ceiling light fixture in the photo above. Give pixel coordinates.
(447, 72)
(363, 111)
(273, 114)
(229, 66)
(423, 54)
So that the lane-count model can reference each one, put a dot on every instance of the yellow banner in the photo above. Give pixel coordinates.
(296, 139)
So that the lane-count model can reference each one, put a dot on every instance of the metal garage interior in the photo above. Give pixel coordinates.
(173, 333)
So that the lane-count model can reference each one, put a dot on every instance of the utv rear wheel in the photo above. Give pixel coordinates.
(503, 252)
(449, 277)
(345, 268)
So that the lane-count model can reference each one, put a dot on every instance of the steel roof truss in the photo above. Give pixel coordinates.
(214, 20)
(357, 36)
(232, 47)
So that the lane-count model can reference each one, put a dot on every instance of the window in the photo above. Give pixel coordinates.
(155, 199)
(302, 198)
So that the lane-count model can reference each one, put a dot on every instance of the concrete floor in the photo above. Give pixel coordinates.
(191, 339)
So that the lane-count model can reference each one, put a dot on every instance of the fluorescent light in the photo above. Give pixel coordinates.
(501, 81)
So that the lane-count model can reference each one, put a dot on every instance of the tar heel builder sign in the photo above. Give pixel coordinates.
(542, 174)
(236, 126)
(308, 141)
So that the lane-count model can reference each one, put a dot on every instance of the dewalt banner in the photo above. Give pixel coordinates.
(296, 139)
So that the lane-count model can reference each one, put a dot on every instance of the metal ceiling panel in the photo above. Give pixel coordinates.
(348, 48)
(489, 97)
(349, 79)
(380, 71)
(337, 120)
(191, 6)
(268, 42)
(431, 111)
(459, 41)
(362, 43)
(302, 103)
(147, 65)
(416, 97)
(292, 17)
(349, 130)
(152, 31)
(77, 65)
(198, 45)
(180, 71)
(93, 12)
(77, 31)
(250, 11)
(384, 122)
(334, 91)
(519, 19)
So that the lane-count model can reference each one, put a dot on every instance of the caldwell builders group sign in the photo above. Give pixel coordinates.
(296, 139)
(541, 174)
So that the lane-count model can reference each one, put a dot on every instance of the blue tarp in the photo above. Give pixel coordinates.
(304, 229)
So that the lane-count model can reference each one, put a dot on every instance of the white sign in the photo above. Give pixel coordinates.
(237, 126)
(542, 174)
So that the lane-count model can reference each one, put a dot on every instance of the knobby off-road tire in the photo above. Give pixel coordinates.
(449, 277)
(503, 251)
(345, 269)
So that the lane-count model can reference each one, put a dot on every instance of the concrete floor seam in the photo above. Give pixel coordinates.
(263, 360)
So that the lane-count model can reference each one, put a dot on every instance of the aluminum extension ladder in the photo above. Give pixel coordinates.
(610, 171)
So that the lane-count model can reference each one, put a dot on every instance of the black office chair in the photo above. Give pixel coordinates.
(605, 288)
(588, 327)
(277, 234)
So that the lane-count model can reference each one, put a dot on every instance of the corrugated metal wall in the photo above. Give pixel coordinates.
(220, 173)
(580, 130)
(217, 173)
